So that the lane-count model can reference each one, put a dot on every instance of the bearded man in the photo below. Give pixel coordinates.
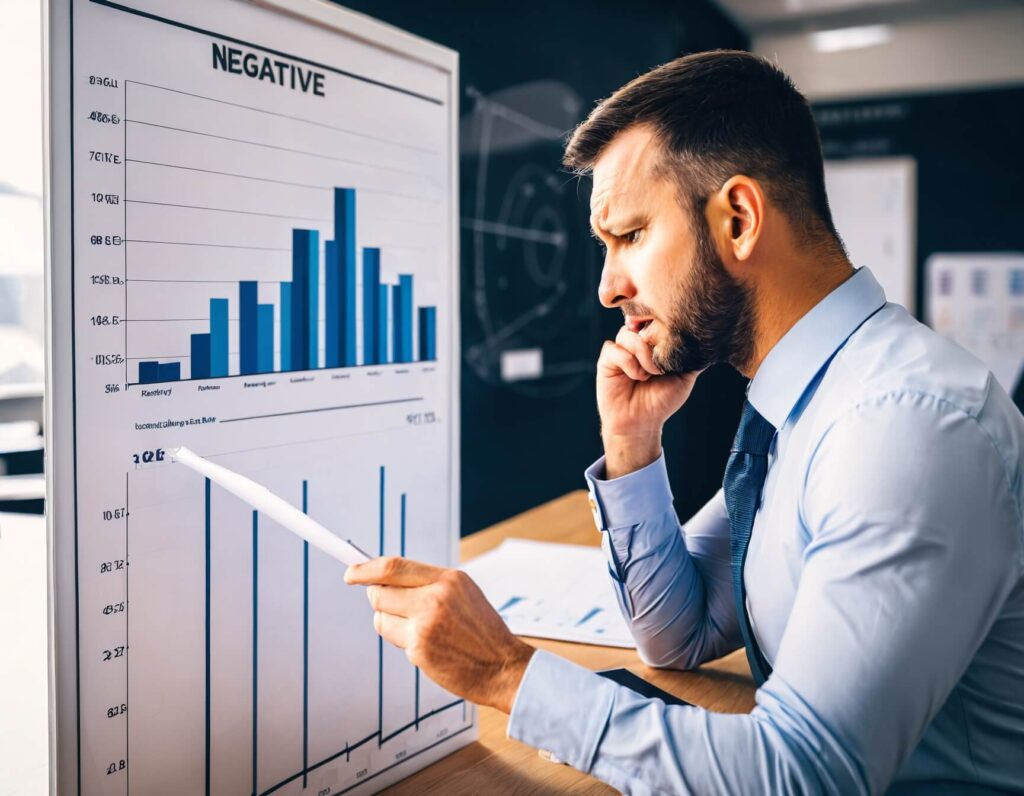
(867, 546)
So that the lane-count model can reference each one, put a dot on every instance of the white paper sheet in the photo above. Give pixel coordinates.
(549, 590)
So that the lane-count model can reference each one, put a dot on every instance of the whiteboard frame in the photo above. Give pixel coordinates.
(61, 531)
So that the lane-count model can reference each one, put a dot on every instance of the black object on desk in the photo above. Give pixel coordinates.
(641, 686)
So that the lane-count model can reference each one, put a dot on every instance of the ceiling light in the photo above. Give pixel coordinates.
(833, 41)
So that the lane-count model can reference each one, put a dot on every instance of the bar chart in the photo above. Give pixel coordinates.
(286, 335)
(281, 684)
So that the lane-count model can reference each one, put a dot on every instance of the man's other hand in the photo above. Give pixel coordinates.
(446, 627)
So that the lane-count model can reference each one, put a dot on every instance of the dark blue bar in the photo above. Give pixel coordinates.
(248, 329)
(380, 639)
(218, 337)
(149, 372)
(286, 326)
(207, 637)
(305, 293)
(405, 311)
(265, 338)
(200, 367)
(428, 334)
(396, 323)
(371, 287)
(345, 238)
(255, 643)
(332, 305)
(305, 642)
(382, 325)
(169, 371)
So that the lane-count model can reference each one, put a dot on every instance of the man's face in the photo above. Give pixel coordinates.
(661, 268)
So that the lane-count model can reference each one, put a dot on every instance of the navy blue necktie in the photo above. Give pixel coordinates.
(744, 479)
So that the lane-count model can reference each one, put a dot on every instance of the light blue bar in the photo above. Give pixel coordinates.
(405, 312)
(314, 299)
(332, 305)
(265, 338)
(382, 325)
(218, 337)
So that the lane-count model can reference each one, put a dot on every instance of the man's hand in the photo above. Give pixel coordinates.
(635, 398)
(446, 627)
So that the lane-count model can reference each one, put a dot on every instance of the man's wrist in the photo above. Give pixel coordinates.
(510, 676)
(625, 454)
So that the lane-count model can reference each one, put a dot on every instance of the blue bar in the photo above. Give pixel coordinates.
(396, 323)
(345, 239)
(428, 334)
(265, 338)
(371, 287)
(286, 326)
(305, 294)
(405, 310)
(332, 306)
(218, 337)
(170, 371)
(149, 372)
(247, 331)
(313, 317)
(382, 325)
(200, 367)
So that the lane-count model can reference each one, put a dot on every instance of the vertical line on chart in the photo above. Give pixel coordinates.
(380, 640)
(305, 642)
(403, 527)
(417, 709)
(255, 643)
(127, 736)
(124, 243)
(207, 637)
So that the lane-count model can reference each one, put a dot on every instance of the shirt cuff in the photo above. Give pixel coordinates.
(637, 497)
(562, 708)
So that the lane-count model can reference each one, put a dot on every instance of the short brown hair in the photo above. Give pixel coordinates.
(718, 114)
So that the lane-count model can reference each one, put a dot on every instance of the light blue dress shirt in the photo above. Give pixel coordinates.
(884, 578)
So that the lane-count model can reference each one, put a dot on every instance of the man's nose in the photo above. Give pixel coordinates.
(615, 286)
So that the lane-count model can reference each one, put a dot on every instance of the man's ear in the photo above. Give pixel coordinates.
(736, 213)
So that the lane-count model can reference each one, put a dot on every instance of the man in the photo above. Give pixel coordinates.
(867, 547)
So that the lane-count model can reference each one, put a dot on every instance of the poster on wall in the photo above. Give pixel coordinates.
(978, 301)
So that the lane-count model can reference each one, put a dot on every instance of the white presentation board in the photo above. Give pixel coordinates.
(253, 253)
(873, 203)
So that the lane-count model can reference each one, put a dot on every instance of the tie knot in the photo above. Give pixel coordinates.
(755, 434)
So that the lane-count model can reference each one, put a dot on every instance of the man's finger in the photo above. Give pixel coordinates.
(392, 571)
(393, 629)
(616, 358)
(396, 600)
(635, 344)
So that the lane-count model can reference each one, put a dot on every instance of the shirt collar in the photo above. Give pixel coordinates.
(795, 360)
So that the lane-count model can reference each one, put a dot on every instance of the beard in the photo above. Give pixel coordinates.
(713, 317)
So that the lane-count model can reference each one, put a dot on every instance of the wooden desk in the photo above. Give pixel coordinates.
(497, 764)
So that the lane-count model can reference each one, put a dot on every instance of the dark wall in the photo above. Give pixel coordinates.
(529, 72)
(970, 166)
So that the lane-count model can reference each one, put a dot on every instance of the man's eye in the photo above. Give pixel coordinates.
(632, 236)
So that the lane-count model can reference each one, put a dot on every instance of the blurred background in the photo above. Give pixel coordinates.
(921, 109)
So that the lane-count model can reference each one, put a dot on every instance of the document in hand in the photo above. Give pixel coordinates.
(556, 591)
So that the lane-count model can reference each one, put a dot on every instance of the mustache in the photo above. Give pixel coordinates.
(635, 308)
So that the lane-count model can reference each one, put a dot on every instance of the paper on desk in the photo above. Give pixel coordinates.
(274, 507)
(549, 590)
